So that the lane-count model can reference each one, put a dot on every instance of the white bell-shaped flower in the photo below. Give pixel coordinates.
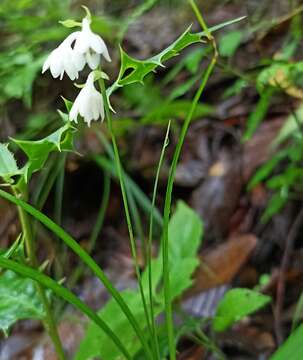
(88, 103)
(90, 45)
(65, 59)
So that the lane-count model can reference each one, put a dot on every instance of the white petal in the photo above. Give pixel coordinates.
(81, 44)
(71, 38)
(93, 60)
(46, 64)
(69, 65)
(79, 60)
(95, 42)
(95, 108)
(74, 112)
(98, 45)
(56, 65)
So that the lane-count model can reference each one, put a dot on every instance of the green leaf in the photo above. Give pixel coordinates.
(292, 348)
(230, 42)
(185, 231)
(184, 236)
(16, 250)
(291, 126)
(19, 83)
(8, 164)
(276, 204)
(284, 77)
(39, 150)
(264, 171)
(290, 176)
(18, 300)
(133, 70)
(235, 88)
(64, 293)
(258, 114)
(96, 343)
(235, 305)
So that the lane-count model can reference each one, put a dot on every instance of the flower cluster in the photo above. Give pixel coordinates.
(70, 57)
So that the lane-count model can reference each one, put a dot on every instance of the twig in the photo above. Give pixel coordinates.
(289, 244)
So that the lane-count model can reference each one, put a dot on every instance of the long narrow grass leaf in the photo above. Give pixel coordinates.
(65, 294)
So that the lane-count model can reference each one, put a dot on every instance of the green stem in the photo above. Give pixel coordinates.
(150, 239)
(169, 189)
(138, 194)
(49, 322)
(130, 195)
(126, 209)
(45, 281)
(59, 192)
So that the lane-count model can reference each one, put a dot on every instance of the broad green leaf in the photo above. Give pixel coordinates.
(133, 70)
(39, 150)
(8, 164)
(230, 42)
(185, 231)
(235, 305)
(96, 342)
(18, 300)
(292, 349)
(184, 236)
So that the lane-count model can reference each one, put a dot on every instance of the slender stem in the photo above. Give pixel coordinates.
(169, 189)
(49, 322)
(137, 222)
(126, 209)
(150, 239)
(139, 195)
(67, 295)
(59, 192)
(130, 195)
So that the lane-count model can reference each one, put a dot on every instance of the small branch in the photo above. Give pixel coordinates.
(289, 244)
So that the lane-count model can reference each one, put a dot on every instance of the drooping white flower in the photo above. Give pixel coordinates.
(90, 45)
(88, 103)
(65, 59)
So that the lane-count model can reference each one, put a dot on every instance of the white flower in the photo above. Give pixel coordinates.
(88, 103)
(90, 45)
(65, 59)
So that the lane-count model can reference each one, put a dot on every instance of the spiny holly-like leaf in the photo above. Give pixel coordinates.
(39, 150)
(133, 70)
(18, 300)
(8, 165)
